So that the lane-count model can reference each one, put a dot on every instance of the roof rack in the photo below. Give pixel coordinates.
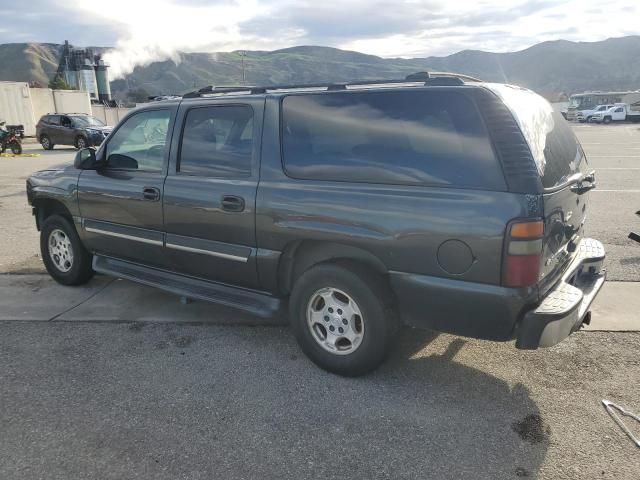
(426, 78)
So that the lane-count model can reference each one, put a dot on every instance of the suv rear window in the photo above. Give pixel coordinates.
(52, 119)
(553, 144)
(217, 141)
(433, 137)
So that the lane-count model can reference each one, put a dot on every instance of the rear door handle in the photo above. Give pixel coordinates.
(232, 203)
(151, 193)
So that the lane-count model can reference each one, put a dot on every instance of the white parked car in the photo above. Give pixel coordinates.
(586, 114)
(600, 108)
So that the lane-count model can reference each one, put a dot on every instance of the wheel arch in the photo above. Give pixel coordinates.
(46, 206)
(299, 256)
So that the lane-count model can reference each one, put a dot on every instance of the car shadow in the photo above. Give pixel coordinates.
(437, 408)
(433, 410)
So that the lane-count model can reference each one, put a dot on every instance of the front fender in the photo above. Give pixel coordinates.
(50, 187)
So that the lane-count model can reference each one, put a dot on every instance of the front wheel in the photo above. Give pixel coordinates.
(81, 142)
(606, 120)
(341, 320)
(63, 254)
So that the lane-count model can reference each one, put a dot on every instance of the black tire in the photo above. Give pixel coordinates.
(80, 270)
(16, 148)
(606, 120)
(45, 141)
(370, 296)
(81, 142)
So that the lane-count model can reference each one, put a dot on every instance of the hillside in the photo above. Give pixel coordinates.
(549, 68)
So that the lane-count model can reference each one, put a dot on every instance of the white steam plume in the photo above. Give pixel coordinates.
(159, 30)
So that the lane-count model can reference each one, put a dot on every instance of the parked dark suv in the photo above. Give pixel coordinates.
(77, 129)
(446, 203)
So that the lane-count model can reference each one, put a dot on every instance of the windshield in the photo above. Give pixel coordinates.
(87, 121)
(575, 101)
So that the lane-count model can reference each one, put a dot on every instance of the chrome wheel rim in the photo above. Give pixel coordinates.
(60, 250)
(45, 142)
(335, 321)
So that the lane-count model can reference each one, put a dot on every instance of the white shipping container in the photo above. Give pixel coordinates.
(72, 101)
(15, 106)
(42, 102)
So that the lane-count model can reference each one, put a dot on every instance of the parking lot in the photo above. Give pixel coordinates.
(115, 380)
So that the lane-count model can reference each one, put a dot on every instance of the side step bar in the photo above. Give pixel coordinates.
(251, 301)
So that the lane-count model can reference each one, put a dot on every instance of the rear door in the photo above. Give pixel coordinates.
(210, 191)
(67, 132)
(53, 128)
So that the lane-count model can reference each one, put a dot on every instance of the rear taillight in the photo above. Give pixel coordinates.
(523, 253)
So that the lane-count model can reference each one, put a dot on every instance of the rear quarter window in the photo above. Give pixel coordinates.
(554, 147)
(403, 137)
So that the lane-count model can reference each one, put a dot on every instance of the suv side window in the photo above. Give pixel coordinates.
(423, 137)
(52, 120)
(65, 121)
(217, 141)
(139, 143)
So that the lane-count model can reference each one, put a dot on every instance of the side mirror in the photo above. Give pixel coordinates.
(86, 159)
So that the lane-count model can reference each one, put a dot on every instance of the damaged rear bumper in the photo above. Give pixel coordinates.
(566, 305)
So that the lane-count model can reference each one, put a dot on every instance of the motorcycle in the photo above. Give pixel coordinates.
(11, 141)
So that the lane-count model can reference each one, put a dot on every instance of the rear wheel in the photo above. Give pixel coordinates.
(45, 141)
(63, 254)
(341, 320)
(16, 148)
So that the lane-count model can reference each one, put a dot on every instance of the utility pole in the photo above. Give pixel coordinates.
(242, 53)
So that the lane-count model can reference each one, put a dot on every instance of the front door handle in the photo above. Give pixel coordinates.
(151, 193)
(232, 203)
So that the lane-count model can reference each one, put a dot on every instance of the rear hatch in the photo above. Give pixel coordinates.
(565, 176)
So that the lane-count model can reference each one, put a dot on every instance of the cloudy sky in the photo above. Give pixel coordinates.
(143, 31)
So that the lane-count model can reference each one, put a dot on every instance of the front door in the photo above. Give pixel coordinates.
(121, 204)
(210, 191)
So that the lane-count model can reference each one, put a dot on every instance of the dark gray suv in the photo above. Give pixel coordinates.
(439, 202)
(77, 129)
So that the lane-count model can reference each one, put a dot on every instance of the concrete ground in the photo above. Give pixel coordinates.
(115, 380)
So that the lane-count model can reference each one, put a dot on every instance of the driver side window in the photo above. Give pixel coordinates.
(139, 144)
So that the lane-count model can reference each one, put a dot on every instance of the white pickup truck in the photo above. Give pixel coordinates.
(587, 115)
(620, 112)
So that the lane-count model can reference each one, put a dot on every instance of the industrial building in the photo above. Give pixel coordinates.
(84, 70)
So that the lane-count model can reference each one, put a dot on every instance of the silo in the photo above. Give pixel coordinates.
(102, 77)
(88, 76)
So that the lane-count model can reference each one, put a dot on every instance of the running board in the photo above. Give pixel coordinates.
(251, 301)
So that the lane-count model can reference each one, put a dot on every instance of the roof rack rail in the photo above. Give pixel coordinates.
(427, 78)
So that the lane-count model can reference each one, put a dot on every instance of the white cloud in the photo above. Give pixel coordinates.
(153, 30)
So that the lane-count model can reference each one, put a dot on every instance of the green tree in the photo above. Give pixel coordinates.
(59, 83)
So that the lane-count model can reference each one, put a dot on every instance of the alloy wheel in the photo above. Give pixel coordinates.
(335, 321)
(60, 250)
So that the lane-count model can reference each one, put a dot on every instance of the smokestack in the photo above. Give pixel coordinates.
(102, 77)
(88, 76)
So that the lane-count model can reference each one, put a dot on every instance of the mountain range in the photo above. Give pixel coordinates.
(550, 68)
